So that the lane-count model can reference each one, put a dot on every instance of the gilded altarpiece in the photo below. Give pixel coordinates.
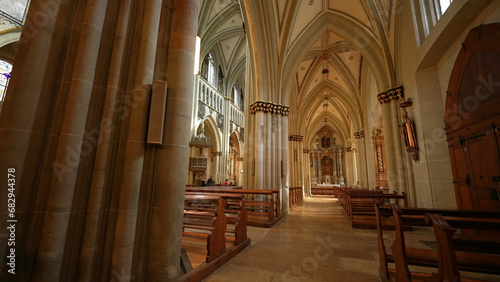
(380, 161)
(326, 160)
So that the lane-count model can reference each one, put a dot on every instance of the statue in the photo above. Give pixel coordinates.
(409, 136)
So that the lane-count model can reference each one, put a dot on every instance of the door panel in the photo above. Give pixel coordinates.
(472, 116)
(462, 191)
(482, 163)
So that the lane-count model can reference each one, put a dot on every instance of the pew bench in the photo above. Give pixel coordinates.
(210, 219)
(204, 218)
(403, 256)
(236, 215)
(455, 253)
(358, 205)
(263, 206)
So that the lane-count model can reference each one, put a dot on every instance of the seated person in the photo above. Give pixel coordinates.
(225, 183)
(210, 181)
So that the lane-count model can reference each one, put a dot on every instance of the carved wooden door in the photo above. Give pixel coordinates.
(473, 120)
(475, 155)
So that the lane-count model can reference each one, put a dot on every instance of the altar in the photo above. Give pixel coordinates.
(325, 189)
(327, 185)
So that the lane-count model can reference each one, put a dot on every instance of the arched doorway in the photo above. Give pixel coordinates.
(472, 120)
(235, 167)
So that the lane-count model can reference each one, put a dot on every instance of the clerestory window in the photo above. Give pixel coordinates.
(426, 14)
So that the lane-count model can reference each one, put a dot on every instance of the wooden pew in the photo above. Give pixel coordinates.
(236, 214)
(204, 218)
(402, 256)
(296, 196)
(484, 256)
(213, 217)
(263, 206)
(358, 205)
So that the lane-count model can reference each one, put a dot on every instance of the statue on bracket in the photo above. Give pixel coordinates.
(408, 132)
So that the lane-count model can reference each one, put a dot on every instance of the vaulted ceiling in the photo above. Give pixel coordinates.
(326, 80)
(222, 32)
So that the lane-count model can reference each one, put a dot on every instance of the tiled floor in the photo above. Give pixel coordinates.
(315, 242)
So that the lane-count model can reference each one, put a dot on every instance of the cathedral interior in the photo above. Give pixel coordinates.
(113, 112)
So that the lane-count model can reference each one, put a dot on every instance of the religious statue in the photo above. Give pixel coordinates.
(409, 136)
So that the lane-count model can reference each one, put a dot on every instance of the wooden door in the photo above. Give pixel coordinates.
(476, 158)
(473, 120)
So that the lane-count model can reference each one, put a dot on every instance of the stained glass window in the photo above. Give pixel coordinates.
(5, 70)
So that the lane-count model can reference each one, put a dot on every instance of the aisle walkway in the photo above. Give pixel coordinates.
(315, 242)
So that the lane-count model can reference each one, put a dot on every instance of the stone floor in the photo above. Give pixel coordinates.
(315, 242)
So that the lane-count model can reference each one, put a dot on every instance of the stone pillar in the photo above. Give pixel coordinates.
(68, 152)
(396, 171)
(168, 199)
(259, 161)
(362, 160)
(133, 163)
(268, 152)
(283, 143)
(103, 157)
(25, 125)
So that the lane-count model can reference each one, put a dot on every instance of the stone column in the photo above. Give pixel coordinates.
(103, 157)
(268, 152)
(283, 143)
(133, 163)
(25, 123)
(259, 163)
(400, 151)
(168, 199)
(68, 152)
(363, 162)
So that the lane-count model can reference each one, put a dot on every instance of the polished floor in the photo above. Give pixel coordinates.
(315, 242)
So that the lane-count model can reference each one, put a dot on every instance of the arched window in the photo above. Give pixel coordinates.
(426, 14)
(220, 80)
(212, 73)
(237, 96)
(5, 70)
(208, 71)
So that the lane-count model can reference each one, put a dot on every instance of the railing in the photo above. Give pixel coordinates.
(295, 196)
(236, 115)
(210, 96)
